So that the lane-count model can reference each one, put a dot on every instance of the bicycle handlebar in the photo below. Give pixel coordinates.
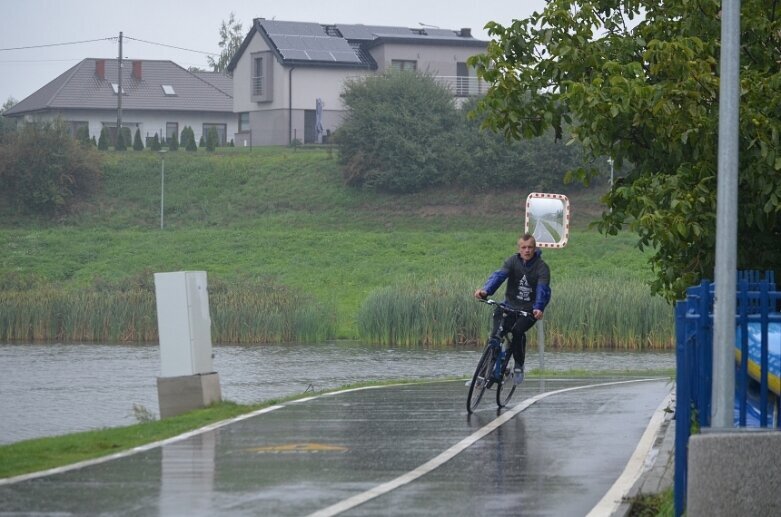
(504, 307)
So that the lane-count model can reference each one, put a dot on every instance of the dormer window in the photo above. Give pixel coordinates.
(115, 87)
(168, 89)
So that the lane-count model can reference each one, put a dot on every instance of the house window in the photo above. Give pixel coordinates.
(115, 88)
(257, 77)
(404, 65)
(261, 81)
(168, 89)
(221, 132)
(171, 130)
(244, 121)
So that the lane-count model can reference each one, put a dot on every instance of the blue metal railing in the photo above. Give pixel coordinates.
(757, 302)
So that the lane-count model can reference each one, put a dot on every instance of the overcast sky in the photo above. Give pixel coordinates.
(194, 24)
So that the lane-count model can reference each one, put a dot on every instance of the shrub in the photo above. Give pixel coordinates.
(82, 135)
(43, 170)
(103, 140)
(173, 143)
(202, 142)
(395, 133)
(138, 145)
(190, 146)
(120, 144)
(155, 145)
(212, 140)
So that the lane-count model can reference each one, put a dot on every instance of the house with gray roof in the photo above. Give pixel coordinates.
(157, 97)
(288, 76)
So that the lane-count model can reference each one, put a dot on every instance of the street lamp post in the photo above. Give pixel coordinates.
(162, 186)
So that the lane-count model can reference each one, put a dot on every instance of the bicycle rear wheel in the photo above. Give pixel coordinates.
(506, 388)
(480, 379)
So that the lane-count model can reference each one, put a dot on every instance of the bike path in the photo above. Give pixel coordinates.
(557, 456)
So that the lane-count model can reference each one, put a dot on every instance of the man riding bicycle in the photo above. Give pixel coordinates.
(528, 289)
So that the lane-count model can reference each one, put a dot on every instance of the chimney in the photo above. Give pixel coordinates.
(100, 69)
(137, 70)
(466, 32)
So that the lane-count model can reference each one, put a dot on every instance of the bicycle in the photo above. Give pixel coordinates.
(491, 373)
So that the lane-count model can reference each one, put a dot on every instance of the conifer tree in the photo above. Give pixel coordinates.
(173, 143)
(103, 140)
(138, 145)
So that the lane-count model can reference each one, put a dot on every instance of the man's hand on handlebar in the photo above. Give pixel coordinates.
(481, 294)
(537, 314)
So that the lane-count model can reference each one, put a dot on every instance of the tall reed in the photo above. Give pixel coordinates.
(604, 312)
(239, 313)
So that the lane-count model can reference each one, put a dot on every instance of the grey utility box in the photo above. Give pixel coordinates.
(187, 377)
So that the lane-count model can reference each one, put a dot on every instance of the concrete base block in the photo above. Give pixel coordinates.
(734, 473)
(178, 395)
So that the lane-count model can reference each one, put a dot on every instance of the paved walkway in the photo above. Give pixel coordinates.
(400, 450)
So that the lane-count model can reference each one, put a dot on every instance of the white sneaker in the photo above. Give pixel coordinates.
(517, 376)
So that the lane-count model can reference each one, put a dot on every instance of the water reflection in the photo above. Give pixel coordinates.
(187, 483)
(56, 389)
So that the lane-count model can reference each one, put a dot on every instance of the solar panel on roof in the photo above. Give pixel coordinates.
(320, 55)
(294, 54)
(293, 28)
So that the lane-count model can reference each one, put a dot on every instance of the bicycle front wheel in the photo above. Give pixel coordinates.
(480, 379)
(505, 388)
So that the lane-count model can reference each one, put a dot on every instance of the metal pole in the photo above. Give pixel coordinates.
(723, 388)
(541, 343)
(162, 189)
(119, 88)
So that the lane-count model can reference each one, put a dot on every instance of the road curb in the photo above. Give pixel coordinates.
(660, 466)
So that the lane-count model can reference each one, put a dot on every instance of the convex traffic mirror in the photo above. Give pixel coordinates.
(547, 218)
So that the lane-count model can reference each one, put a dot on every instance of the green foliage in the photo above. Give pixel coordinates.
(82, 135)
(231, 37)
(121, 143)
(393, 136)
(638, 80)
(188, 139)
(484, 159)
(7, 125)
(155, 144)
(111, 312)
(246, 214)
(582, 314)
(173, 143)
(43, 170)
(138, 145)
(404, 134)
(103, 140)
(202, 141)
(212, 140)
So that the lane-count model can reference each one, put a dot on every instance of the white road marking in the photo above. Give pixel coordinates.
(447, 455)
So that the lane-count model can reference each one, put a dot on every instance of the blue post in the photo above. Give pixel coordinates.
(764, 359)
(682, 407)
(742, 377)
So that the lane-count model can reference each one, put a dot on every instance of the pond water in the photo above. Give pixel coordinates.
(54, 389)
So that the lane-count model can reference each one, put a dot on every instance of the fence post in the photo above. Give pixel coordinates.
(682, 406)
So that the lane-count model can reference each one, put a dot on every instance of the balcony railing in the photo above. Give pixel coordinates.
(463, 86)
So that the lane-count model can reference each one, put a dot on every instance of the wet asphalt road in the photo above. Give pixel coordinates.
(557, 457)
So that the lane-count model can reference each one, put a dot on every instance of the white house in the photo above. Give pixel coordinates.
(282, 68)
(157, 97)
